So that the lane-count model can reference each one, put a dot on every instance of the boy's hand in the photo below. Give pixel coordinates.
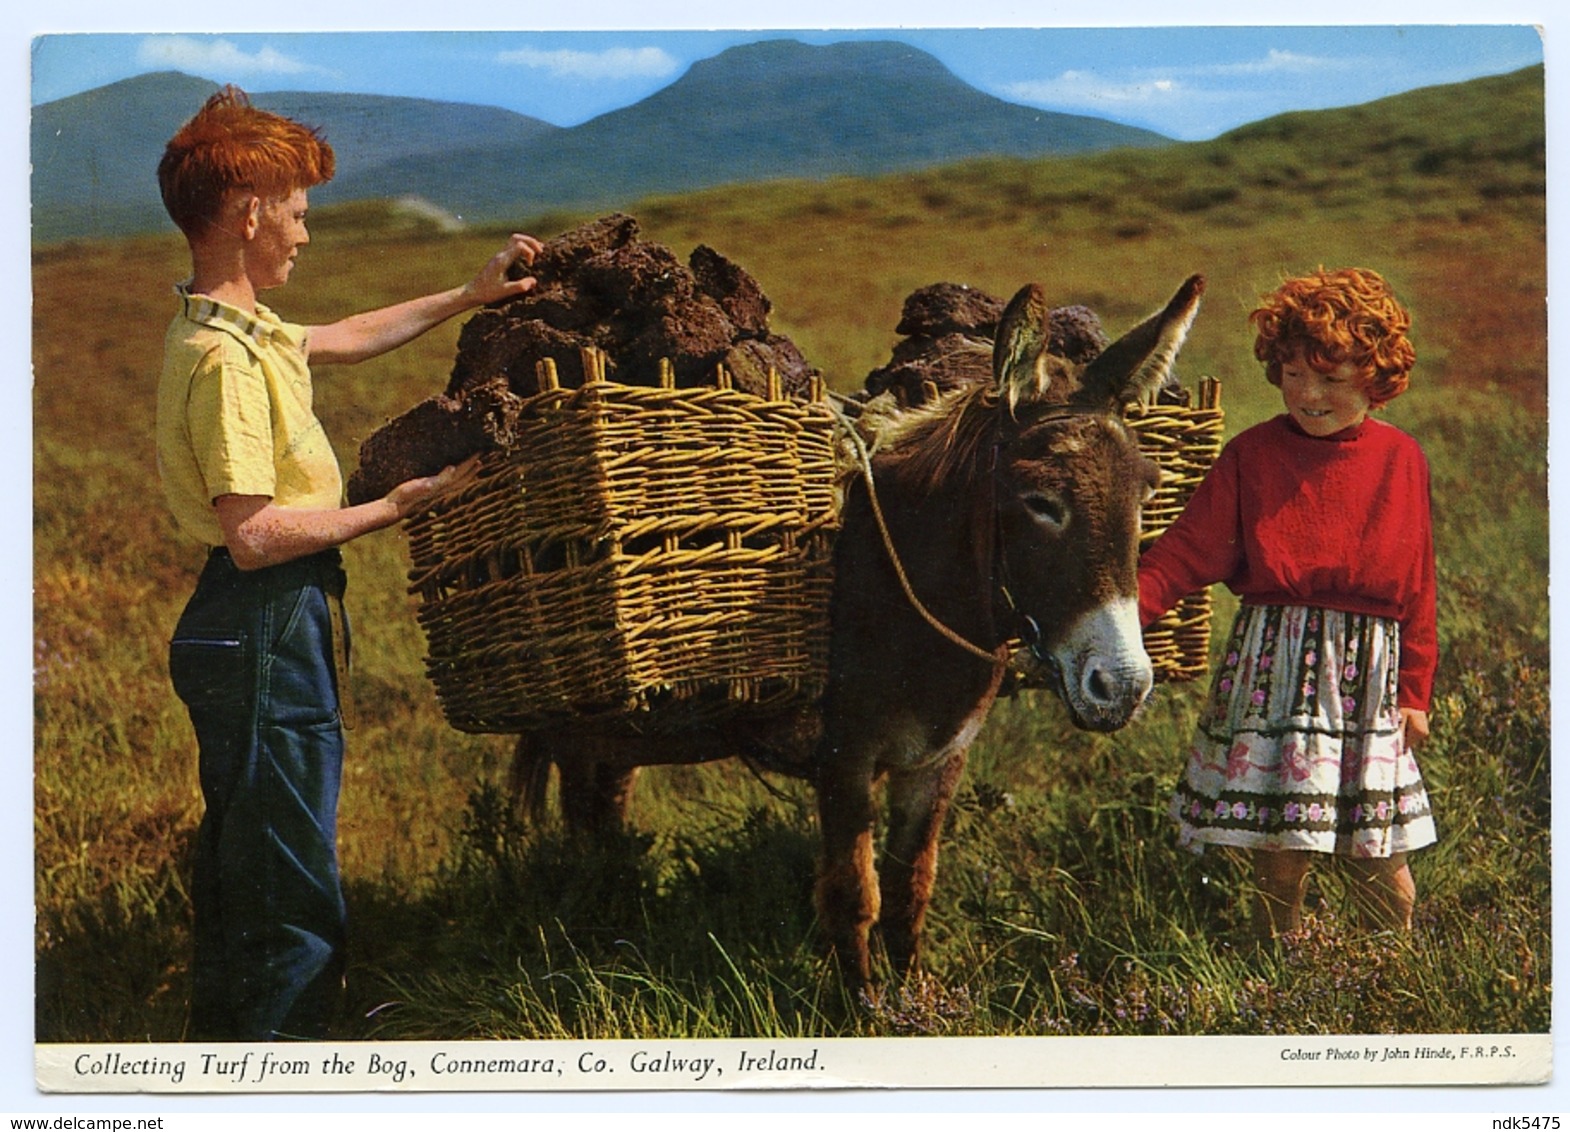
(409, 495)
(492, 284)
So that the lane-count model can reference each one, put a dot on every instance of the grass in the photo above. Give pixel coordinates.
(1063, 905)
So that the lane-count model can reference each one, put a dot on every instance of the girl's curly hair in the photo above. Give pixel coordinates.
(1346, 316)
(230, 145)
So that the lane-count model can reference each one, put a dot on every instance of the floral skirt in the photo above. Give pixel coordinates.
(1300, 746)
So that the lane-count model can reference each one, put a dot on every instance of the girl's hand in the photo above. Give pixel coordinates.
(492, 284)
(1414, 727)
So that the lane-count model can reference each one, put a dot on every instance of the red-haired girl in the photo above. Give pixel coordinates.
(1318, 519)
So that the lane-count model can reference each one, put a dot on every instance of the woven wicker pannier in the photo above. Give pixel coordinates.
(648, 559)
(640, 557)
(1185, 441)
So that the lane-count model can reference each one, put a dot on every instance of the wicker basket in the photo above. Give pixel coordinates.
(650, 559)
(1185, 441)
(644, 557)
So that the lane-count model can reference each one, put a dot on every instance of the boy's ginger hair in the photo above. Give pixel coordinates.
(230, 145)
(1346, 316)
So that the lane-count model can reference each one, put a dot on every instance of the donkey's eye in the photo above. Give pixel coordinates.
(1048, 509)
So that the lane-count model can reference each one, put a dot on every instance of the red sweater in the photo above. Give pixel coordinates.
(1340, 522)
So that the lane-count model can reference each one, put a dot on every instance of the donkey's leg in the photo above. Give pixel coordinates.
(613, 795)
(596, 785)
(529, 777)
(847, 894)
(595, 797)
(918, 802)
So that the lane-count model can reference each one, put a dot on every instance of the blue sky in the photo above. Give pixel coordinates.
(1186, 82)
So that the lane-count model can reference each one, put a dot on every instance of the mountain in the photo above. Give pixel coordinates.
(95, 155)
(767, 110)
(777, 108)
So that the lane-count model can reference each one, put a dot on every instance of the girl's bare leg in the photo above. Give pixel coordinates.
(1384, 892)
(1280, 876)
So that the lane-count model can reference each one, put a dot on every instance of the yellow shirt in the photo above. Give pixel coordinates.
(235, 416)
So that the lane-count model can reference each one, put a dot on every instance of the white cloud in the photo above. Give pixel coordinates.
(1148, 86)
(1197, 90)
(204, 55)
(1277, 62)
(1083, 88)
(614, 63)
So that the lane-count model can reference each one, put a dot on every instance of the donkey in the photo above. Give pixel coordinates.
(1013, 511)
(1001, 512)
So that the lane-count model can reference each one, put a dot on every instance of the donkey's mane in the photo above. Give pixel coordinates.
(924, 448)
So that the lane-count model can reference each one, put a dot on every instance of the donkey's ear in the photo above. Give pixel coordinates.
(1138, 363)
(1017, 349)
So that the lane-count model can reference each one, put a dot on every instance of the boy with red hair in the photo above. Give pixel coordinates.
(249, 473)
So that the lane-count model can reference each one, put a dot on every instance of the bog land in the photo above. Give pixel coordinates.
(1064, 905)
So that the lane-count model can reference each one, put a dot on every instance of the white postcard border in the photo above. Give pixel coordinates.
(831, 1063)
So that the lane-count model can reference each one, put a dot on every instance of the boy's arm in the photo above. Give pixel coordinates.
(259, 533)
(362, 336)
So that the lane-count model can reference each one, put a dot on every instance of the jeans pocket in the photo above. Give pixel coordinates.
(299, 685)
(211, 670)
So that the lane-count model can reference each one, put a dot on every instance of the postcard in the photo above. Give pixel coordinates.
(790, 559)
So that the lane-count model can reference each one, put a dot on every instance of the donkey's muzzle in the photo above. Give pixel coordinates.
(1109, 697)
(1103, 672)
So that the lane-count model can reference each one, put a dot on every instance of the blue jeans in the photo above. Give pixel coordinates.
(252, 658)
